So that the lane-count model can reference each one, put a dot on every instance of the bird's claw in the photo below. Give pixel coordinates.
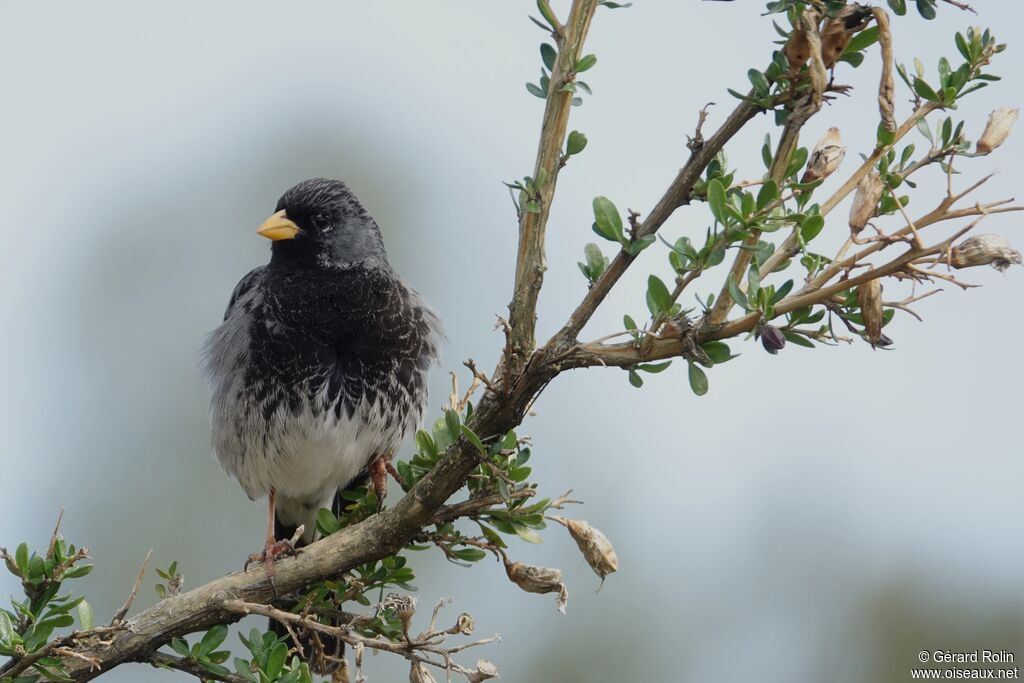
(271, 552)
(380, 468)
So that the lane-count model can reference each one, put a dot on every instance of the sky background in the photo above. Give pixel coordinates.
(819, 515)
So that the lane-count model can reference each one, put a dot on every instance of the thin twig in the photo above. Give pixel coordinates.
(120, 614)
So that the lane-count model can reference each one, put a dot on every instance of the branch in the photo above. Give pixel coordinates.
(629, 353)
(165, 661)
(531, 261)
(677, 194)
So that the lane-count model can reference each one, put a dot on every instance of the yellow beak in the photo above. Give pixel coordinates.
(278, 227)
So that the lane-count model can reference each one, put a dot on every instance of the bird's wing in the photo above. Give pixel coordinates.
(244, 285)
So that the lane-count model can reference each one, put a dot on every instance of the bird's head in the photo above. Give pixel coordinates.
(320, 221)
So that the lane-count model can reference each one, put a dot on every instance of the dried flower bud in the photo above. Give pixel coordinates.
(865, 202)
(596, 548)
(869, 297)
(538, 580)
(983, 250)
(798, 49)
(485, 671)
(826, 157)
(404, 607)
(419, 673)
(836, 36)
(465, 624)
(1000, 122)
(772, 339)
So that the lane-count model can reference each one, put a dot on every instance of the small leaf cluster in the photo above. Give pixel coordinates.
(528, 188)
(977, 47)
(608, 224)
(269, 662)
(205, 652)
(27, 627)
(548, 55)
(173, 579)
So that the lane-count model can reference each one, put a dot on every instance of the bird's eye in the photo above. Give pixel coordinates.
(322, 222)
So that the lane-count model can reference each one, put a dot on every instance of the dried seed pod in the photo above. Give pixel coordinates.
(887, 84)
(596, 548)
(869, 297)
(404, 607)
(797, 49)
(772, 339)
(464, 624)
(419, 673)
(826, 157)
(837, 33)
(538, 580)
(485, 670)
(869, 192)
(984, 250)
(1000, 123)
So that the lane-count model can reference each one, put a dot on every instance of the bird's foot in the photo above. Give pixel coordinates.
(272, 551)
(380, 468)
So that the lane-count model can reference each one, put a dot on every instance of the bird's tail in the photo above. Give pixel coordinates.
(323, 657)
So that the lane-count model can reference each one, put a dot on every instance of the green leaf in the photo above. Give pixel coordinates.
(638, 245)
(798, 339)
(614, 5)
(607, 221)
(536, 91)
(753, 281)
(698, 380)
(596, 261)
(21, 558)
(899, 7)
(734, 291)
(85, 615)
(659, 300)
(717, 351)
(470, 554)
(653, 368)
(797, 161)
(452, 422)
(925, 91)
(212, 639)
(276, 660)
(926, 8)
(768, 193)
(78, 571)
(545, 11)
(180, 646)
(862, 40)
(547, 55)
(811, 227)
(760, 83)
(6, 628)
(576, 143)
(474, 439)
(526, 533)
(326, 522)
(585, 62)
(716, 200)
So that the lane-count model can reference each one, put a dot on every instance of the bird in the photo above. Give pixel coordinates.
(319, 369)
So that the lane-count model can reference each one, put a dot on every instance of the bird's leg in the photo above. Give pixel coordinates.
(380, 467)
(273, 547)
